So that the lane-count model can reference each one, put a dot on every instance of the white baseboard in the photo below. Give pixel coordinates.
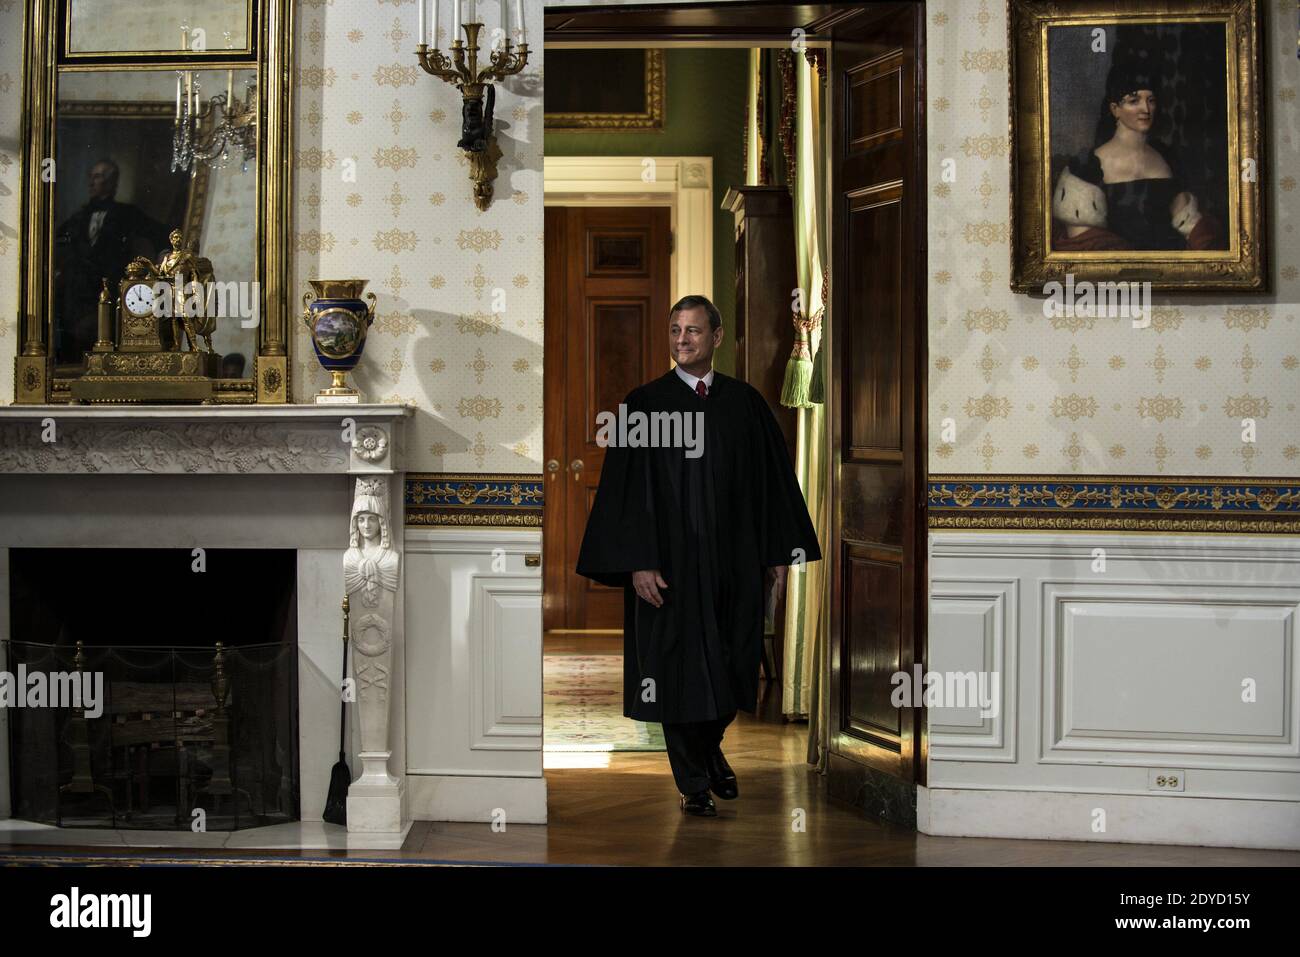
(476, 798)
(1129, 819)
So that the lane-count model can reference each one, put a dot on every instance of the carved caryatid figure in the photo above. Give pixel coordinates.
(371, 562)
(371, 571)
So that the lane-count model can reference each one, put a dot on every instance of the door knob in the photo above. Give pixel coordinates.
(576, 466)
(553, 466)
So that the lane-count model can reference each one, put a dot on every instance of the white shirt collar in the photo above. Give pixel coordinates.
(690, 380)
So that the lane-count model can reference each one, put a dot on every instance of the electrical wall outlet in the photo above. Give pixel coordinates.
(1163, 779)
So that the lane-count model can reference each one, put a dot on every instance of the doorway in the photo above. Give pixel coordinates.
(875, 335)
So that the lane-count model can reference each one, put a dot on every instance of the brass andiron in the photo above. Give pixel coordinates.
(476, 86)
(83, 781)
(220, 784)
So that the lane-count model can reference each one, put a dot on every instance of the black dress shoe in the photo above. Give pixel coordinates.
(700, 804)
(722, 779)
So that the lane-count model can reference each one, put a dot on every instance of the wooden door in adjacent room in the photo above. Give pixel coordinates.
(607, 288)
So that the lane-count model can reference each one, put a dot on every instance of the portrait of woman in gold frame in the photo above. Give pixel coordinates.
(1136, 139)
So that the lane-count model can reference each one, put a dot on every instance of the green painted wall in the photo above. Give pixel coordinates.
(704, 116)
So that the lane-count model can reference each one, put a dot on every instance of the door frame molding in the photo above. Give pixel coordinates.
(682, 183)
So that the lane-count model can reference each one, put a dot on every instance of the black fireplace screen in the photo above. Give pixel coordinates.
(191, 738)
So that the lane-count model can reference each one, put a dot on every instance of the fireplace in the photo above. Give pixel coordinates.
(189, 663)
(115, 507)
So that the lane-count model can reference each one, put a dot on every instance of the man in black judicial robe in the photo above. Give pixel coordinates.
(698, 544)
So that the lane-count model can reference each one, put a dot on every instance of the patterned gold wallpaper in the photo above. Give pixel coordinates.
(459, 331)
(1028, 394)
(382, 192)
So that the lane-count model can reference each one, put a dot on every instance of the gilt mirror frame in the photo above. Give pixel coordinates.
(44, 59)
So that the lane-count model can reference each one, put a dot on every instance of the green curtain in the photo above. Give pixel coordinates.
(805, 676)
(807, 602)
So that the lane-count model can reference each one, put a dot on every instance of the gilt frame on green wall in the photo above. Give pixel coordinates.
(651, 118)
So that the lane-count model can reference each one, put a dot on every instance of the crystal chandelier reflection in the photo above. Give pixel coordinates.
(208, 130)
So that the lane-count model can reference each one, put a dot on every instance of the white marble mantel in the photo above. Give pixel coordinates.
(237, 476)
(234, 439)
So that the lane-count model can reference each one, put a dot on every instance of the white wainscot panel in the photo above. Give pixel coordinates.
(973, 630)
(505, 633)
(1138, 667)
(474, 653)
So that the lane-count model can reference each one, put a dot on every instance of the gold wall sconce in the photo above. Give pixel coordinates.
(476, 85)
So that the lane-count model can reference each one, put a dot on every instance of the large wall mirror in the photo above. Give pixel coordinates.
(156, 130)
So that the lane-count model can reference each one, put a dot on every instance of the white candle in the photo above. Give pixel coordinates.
(470, 16)
(434, 41)
(419, 30)
(455, 20)
(505, 19)
(519, 19)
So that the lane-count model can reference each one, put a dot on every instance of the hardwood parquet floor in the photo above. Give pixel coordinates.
(627, 814)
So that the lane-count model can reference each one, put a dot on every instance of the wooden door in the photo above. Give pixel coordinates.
(607, 289)
(877, 331)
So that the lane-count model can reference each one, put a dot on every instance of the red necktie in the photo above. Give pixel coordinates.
(701, 389)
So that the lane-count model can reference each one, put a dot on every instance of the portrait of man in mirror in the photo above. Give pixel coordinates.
(93, 244)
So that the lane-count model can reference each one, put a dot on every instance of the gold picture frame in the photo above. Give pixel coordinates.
(35, 379)
(651, 119)
(1139, 235)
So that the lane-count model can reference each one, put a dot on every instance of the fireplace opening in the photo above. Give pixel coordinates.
(186, 667)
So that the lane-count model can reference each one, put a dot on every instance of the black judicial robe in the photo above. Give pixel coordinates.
(711, 525)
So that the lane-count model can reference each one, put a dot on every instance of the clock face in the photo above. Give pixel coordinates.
(139, 299)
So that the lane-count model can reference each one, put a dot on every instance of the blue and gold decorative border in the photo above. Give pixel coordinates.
(501, 501)
(1114, 503)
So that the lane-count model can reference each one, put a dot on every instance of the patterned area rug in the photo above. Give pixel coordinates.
(583, 708)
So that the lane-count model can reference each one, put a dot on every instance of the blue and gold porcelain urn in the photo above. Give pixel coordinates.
(338, 318)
